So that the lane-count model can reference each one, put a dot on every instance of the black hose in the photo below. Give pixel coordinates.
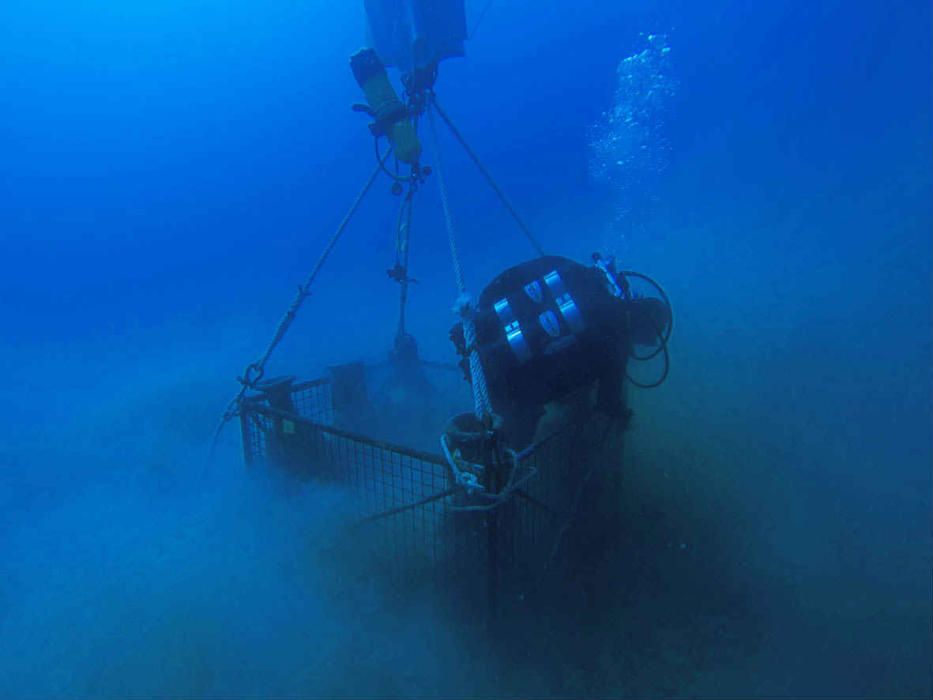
(667, 365)
(381, 160)
(664, 335)
(667, 302)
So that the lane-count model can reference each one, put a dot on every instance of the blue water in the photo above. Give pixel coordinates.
(171, 170)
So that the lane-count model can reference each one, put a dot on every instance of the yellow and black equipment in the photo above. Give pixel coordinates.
(391, 116)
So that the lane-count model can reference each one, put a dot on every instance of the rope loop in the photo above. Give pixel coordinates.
(463, 478)
(252, 375)
(467, 480)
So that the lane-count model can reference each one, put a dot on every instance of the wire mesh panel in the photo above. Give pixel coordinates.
(402, 499)
(312, 400)
(309, 400)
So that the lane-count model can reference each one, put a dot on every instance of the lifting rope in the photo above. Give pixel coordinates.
(479, 19)
(488, 176)
(481, 404)
(255, 371)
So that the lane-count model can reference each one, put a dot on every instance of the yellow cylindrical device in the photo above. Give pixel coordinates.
(387, 109)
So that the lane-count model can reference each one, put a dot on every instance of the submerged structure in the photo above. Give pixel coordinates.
(477, 506)
(484, 546)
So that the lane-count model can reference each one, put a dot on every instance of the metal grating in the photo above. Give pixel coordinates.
(313, 401)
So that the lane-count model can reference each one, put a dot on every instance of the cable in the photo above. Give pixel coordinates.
(479, 20)
(255, 370)
(664, 335)
(667, 303)
(381, 160)
(488, 177)
(667, 364)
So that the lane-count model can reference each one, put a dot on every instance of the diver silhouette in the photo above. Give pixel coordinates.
(549, 327)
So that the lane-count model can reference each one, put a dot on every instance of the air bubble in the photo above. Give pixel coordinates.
(628, 148)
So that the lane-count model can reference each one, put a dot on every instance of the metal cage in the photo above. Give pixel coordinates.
(406, 508)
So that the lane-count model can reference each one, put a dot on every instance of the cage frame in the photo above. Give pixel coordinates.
(483, 558)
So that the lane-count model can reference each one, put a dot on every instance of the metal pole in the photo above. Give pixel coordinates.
(402, 248)
(247, 438)
(493, 561)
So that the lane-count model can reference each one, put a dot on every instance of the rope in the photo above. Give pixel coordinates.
(482, 406)
(464, 479)
(469, 483)
(255, 371)
(445, 203)
(489, 179)
(479, 20)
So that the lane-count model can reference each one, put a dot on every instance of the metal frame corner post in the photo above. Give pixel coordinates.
(247, 439)
(493, 485)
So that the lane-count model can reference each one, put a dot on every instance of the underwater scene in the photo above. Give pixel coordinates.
(436, 349)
